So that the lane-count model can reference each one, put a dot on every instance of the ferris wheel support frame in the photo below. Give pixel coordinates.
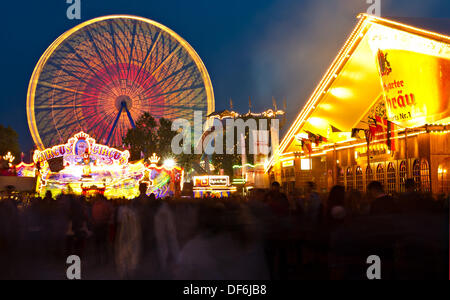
(123, 105)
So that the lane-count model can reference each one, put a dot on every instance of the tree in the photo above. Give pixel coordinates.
(143, 138)
(150, 136)
(9, 142)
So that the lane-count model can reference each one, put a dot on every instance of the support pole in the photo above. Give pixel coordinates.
(114, 125)
(406, 153)
(124, 105)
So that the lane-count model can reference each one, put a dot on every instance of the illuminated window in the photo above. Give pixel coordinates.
(340, 176)
(305, 164)
(402, 176)
(416, 173)
(349, 177)
(425, 176)
(380, 174)
(444, 176)
(359, 179)
(390, 174)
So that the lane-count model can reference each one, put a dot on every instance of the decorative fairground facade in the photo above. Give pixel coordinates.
(83, 167)
(381, 112)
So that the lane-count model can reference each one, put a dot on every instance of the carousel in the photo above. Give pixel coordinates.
(83, 167)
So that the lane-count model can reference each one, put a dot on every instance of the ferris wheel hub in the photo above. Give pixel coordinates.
(123, 101)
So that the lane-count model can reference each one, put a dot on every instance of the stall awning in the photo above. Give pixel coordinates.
(352, 84)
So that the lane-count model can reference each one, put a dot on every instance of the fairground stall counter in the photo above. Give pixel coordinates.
(216, 186)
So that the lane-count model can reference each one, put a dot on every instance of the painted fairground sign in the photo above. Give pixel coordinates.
(78, 148)
(415, 76)
(85, 167)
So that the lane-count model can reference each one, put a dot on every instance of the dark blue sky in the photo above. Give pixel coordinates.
(257, 48)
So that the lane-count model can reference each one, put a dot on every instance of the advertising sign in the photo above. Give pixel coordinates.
(415, 76)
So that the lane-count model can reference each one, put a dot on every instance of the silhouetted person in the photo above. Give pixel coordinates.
(76, 234)
(102, 214)
(336, 212)
(311, 204)
(277, 201)
(381, 202)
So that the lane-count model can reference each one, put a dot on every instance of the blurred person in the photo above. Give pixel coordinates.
(102, 214)
(77, 233)
(277, 201)
(381, 203)
(226, 247)
(9, 237)
(354, 204)
(311, 204)
(336, 211)
(166, 239)
(128, 242)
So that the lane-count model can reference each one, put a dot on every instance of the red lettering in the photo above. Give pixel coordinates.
(62, 150)
(393, 103)
(401, 101)
(408, 102)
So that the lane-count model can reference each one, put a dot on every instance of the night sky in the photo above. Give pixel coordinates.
(259, 48)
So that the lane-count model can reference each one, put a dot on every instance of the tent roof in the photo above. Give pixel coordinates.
(351, 85)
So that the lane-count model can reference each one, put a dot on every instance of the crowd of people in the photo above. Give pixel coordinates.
(266, 235)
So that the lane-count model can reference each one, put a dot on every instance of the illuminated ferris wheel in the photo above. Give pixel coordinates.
(100, 76)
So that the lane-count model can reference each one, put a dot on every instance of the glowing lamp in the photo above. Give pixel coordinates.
(169, 163)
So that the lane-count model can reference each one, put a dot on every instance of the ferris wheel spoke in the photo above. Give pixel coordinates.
(114, 46)
(164, 61)
(88, 67)
(67, 125)
(181, 83)
(131, 48)
(61, 107)
(71, 74)
(146, 60)
(171, 77)
(97, 51)
(63, 88)
(190, 96)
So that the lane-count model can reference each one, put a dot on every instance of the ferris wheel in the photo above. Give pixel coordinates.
(102, 75)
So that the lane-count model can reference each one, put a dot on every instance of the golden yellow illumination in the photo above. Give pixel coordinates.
(341, 92)
(353, 75)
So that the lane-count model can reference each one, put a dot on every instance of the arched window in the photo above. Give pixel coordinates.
(291, 172)
(380, 174)
(402, 176)
(359, 179)
(416, 173)
(369, 175)
(340, 176)
(390, 174)
(425, 176)
(349, 177)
